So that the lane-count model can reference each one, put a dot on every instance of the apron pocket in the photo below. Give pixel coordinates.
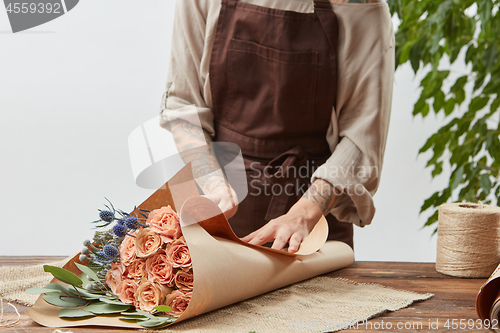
(264, 83)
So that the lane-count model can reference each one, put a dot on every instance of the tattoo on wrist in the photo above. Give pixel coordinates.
(323, 194)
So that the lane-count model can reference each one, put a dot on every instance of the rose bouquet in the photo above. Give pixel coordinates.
(154, 267)
(140, 268)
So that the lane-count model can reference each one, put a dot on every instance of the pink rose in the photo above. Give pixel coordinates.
(147, 243)
(166, 223)
(127, 250)
(184, 280)
(159, 268)
(151, 294)
(126, 291)
(178, 254)
(136, 270)
(178, 301)
(114, 276)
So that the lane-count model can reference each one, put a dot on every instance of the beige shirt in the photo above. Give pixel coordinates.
(359, 123)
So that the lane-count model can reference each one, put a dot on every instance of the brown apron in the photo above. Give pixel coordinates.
(273, 79)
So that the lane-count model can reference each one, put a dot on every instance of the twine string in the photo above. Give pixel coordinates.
(2, 314)
(468, 240)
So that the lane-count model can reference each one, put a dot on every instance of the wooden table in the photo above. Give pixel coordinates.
(454, 298)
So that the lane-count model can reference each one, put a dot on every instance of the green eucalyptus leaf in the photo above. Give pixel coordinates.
(90, 273)
(156, 323)
(134, 317)
(64, 301)
(138, 312)
(43, 290)
(103, 308)
(112, 301)
(75, 313)
(87, 294)
(63, 275)
(53, 288)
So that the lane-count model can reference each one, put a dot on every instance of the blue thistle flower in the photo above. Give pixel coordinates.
(119, 230)
(132, 222)
(110, 251)
(102, 257)
(106, 215)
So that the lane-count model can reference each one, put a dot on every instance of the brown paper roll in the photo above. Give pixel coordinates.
(488, 302)
(468, 242)
(226, 270)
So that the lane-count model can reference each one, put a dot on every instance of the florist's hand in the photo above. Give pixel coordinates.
(290, 228)
(226, 199)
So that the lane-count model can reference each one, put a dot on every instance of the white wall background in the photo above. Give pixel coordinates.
(73, 89)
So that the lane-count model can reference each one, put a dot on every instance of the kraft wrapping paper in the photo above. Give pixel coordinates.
(488, 300)
(226, 270)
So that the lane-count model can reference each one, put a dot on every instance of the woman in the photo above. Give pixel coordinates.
(298, 86)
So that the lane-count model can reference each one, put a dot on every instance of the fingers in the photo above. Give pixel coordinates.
(280, 231)
(294, 243)
(280, 242)
(262, 237)
(267, 234)
(250, 236)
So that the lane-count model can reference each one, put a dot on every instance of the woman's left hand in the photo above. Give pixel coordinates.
(290, 228)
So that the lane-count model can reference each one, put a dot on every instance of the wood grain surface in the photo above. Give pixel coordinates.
(454, 299)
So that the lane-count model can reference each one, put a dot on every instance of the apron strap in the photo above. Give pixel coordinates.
(329, 21)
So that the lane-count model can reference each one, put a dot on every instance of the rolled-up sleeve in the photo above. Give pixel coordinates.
(187, 80)
(358, 132)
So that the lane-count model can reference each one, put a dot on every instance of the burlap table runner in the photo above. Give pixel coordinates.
(315, 305)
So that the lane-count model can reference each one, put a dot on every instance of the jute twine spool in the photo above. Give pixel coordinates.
(468, 242)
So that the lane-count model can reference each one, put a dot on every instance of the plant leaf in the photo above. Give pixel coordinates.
(75, 313)
(133, 317)
(156, 323)
(163, 308)
(139, 313)
(88, 295)
(53, 288)
(64, 301)
(478, 103)
(112, 301)
(102, 308)
(485, 183)
(458, 177)
(90, 273)
(43, 290)
(63, 275)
